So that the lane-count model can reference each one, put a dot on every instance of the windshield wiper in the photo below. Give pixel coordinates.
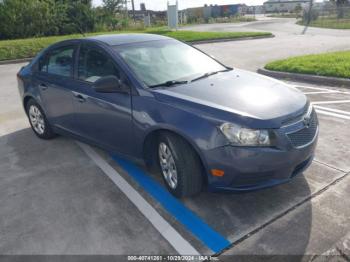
(170, 83)
(211, 73)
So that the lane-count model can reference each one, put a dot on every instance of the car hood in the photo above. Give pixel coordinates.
(244, 94)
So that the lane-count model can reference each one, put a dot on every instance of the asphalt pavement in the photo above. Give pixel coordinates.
(288, 41)
(61, 197)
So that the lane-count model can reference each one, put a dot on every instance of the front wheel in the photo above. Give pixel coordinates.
(38, 121)
(179, 165)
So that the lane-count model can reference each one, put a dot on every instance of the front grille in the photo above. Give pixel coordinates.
(304, 136)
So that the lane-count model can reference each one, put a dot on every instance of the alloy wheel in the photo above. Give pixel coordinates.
(167, 165)
(36, 119)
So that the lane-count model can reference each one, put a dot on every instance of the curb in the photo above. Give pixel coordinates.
(22, 60)
(229, 39)
(313, 79)
(15, 61)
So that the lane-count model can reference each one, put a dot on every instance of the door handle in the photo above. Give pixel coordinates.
(80, 97)
(43, 86)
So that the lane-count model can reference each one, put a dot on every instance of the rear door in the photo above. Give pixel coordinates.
(104, 118)
(54, 80)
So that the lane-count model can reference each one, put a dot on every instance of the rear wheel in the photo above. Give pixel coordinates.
(179, 165)
(38, 121)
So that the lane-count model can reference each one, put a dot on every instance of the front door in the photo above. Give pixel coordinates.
(104, 118)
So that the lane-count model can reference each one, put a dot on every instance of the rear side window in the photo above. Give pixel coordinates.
(58, 62)
(94, 64)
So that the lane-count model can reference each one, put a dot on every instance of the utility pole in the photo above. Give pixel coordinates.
(133, 10)
(309, 17)
(126, 9)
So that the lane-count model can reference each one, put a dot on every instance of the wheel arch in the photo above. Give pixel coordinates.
(26, 100)
(36, 98)
(149, 143)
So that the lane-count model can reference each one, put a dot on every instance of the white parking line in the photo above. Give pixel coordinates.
(325, 110)
(181, 245)
(330, 102)
(332, 110)
(321, 92)
(311, 87)
(332, 114)
(327, 90)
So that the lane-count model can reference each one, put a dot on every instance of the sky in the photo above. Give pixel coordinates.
(162, 4)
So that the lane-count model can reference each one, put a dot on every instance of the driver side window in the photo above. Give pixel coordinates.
(94, 64)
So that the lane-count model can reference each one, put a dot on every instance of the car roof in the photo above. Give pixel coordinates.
(122, 39)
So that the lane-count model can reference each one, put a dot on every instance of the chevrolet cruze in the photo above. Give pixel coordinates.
(163, 103)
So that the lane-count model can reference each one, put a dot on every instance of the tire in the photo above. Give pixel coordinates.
(186, 162)
(38, 120)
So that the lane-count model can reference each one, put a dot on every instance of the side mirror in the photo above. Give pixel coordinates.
(109, 84)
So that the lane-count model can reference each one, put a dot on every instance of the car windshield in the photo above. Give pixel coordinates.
(166, 61)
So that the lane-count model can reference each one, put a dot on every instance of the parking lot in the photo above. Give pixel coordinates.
(288, 41)
(64, 197)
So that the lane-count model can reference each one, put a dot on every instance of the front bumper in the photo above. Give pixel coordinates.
(251, 168)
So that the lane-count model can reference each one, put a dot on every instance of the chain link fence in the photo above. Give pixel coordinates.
(327, 16)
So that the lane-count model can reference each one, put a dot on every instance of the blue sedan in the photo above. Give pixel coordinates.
(161, 102)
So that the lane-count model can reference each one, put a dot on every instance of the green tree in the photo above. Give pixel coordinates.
(81, 16)
(110, 10)
(112, 7)
(74, 16)
(298, 9)
(24, 18)
(28, 18)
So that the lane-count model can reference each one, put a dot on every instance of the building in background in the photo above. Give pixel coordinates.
(143, 7)
(151, 16)
(194, 13)
(284, 6)
(198, 14)
(255, 9)
(215, 11)
(325, 5)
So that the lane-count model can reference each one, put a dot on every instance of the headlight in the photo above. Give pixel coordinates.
(240, 136)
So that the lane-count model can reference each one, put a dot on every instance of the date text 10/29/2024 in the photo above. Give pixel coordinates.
(172, 258)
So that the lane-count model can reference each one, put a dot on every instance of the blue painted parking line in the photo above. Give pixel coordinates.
(194, 224)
